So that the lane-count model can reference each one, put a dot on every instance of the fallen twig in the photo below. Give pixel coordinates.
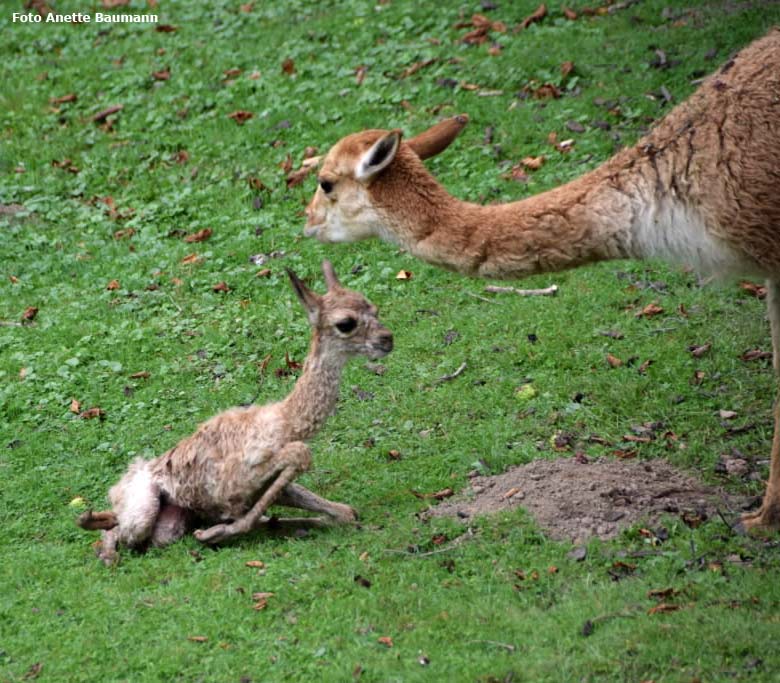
(547, 291)
(481, 298)
(452, 375)
(505, 646)
(469, 533)
(14, 323)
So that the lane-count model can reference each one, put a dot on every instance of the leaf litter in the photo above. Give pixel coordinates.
(575, 500)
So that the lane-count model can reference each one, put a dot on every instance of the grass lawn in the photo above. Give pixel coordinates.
(97, 243)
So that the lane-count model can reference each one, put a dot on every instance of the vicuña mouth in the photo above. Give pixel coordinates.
(312, 230)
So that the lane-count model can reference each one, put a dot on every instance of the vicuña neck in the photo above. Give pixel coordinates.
(316, 392)
(593, 218)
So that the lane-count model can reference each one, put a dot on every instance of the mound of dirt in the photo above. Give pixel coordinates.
(574, 499)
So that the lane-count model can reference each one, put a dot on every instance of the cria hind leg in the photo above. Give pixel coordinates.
(289, 463)
(172, 523)
(297, 496)
(107, 548)
(768, 515)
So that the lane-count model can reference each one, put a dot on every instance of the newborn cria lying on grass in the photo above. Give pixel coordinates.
(242, 461)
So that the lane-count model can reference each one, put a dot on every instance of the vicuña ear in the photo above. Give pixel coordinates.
(380, 155)
(437, 138)
(310, 300)
(330, 275)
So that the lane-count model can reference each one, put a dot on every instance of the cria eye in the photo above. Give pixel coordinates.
(326, 186)
(346, 325)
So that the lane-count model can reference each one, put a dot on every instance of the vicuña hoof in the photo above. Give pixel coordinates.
(766, 518)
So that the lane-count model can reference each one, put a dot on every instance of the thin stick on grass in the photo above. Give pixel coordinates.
(452, 375)
(481, 298)
(547, 291)
(505, 646)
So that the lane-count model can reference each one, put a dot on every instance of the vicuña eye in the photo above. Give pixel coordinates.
(327, 186)
(346, 325)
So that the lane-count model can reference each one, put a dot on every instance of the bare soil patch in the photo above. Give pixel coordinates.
(575, 500)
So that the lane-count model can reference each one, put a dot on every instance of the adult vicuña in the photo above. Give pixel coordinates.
(243, 460)
(703, 187)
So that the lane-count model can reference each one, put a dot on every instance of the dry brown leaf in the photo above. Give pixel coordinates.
(414, 68)
(263, 595)
(29, 314)
(288, 67)
(75, 406)
(662, 593)
(162, 75)
(698, 377)
(255, 564)
(727, 414)
(62, 99)
(516, 173)
(758, 291)
(404, 275)
(114, 284)
(642, 369)
(570, 14)
(126, 232)
(101, 116)
(111, 4)
(264, 272)
(199, 236)
(650, 310)
(755, 354)
(14, 280)
(567, 68)
(92, 413)
(538, 14)
(624, 454)
(387, 641)
(662, 608)
(637, 439)
(247, 7)
(394, 454)
(190, 259)
(231, 73)
(165, 28)
(614, 361)
(181, 157)
(23, 372)
(197, 639)
(360, 74)
(33, 671)
(510, 493)
(533, 163)
(699, 351)
(545, 91)
(143, 374)
(220, 287)
(240, 116)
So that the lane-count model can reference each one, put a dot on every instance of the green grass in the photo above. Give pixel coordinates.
(464, 609)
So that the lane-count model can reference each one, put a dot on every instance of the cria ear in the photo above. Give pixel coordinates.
(379, 156)
(330, 275)
(310, 300)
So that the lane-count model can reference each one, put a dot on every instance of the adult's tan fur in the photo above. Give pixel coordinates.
(243, 460)
(703, 187)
